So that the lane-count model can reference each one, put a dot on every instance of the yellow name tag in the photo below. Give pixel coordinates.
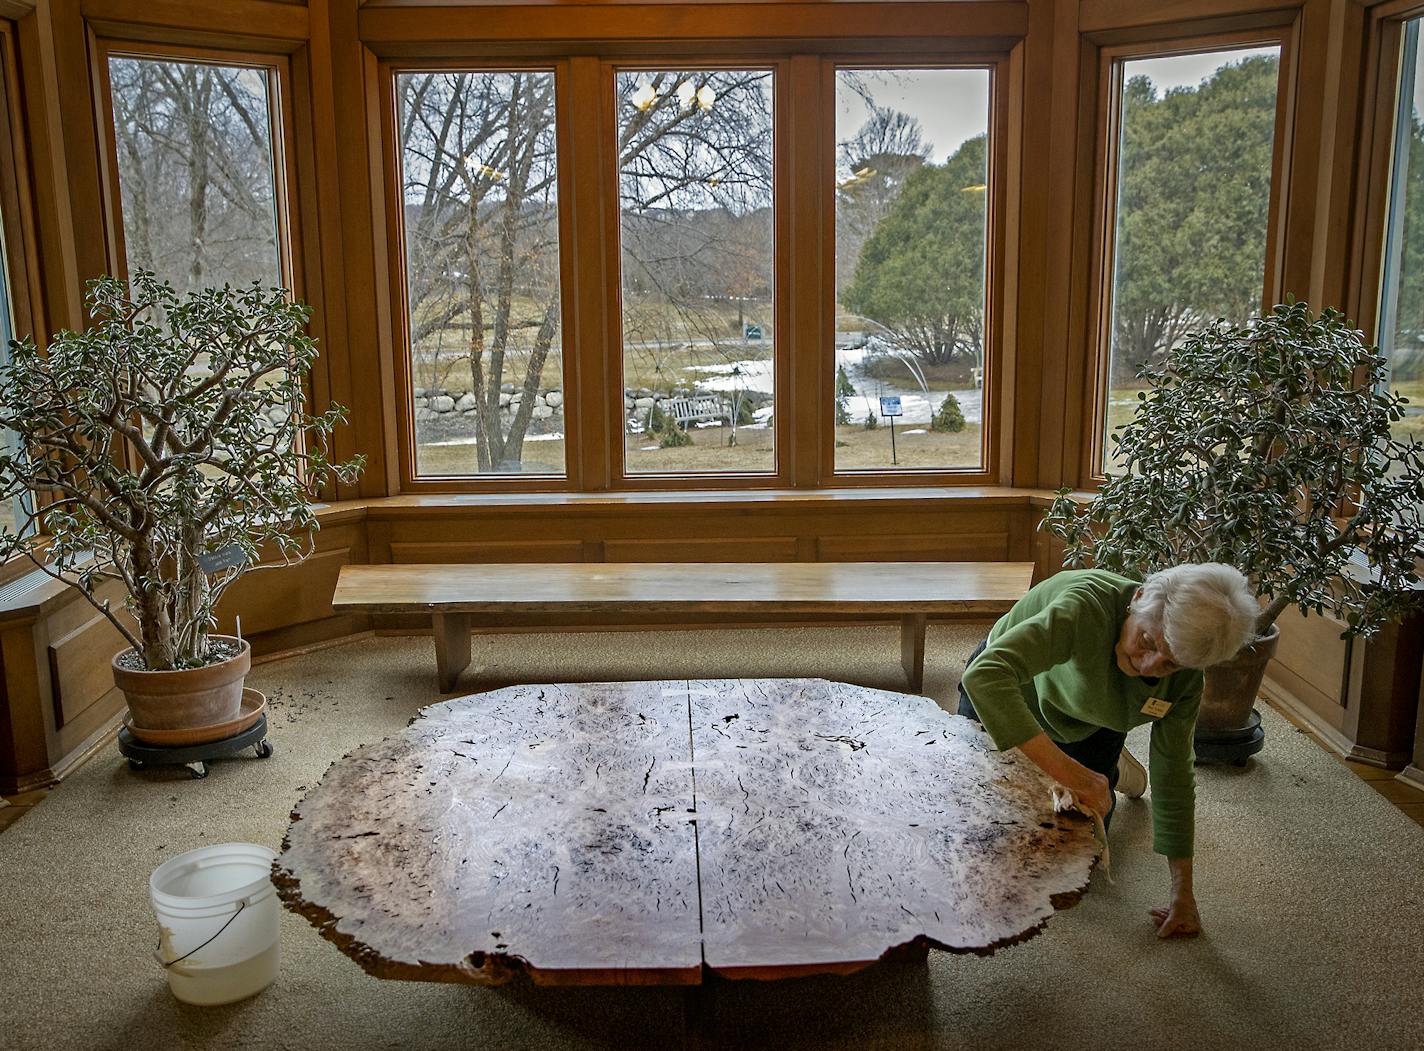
(1156, 707)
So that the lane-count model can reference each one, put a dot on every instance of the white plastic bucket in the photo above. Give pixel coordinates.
(218, 922)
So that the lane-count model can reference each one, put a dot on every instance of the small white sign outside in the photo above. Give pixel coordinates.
(890, 405)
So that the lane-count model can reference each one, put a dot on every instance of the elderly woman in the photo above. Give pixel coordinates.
(1087, 655)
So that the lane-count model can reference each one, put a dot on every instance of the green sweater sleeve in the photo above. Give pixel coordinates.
(1171, 772)
(996, 679)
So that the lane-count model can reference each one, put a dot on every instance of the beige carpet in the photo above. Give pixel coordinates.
(1311, 887)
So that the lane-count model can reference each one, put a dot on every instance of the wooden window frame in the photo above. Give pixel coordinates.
(1108, 86)
(803, 262)
(281, 121)
(783, 361)
(395, 248)
(282, 125)
(1375, 163)
(17, 218)
(997, 251)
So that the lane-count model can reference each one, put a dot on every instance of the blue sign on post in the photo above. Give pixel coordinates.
(890, 406)
(751, 332)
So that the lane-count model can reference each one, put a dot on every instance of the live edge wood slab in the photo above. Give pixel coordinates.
(654, 832)
(456, 595)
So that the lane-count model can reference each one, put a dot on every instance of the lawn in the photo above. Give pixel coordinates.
(862, 450)
(657, 364)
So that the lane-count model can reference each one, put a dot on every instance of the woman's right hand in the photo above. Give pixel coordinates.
(1089, 788)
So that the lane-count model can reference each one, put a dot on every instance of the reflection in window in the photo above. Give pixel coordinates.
(479, 180)
(1401, 323)
(1192, 209)
(12, 511)
(696, 228)
(195, 159)
(912, 177)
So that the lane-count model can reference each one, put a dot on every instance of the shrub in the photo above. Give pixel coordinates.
(950, 417)
(674, 437)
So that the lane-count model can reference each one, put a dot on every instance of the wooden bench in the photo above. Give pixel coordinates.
(685, 411)
(454, 595)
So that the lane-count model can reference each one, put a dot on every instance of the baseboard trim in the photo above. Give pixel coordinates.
(314, 647)
(1411, 775)
(1302, 713)
(53, 775)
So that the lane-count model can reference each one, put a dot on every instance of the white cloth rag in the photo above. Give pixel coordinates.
(1063, 799)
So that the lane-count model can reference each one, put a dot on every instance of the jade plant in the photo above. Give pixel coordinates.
(1267, 446)
(164, 448)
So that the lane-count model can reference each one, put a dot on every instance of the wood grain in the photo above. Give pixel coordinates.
(580, 834)
(837, 823)
(539, 830)
(849, 587)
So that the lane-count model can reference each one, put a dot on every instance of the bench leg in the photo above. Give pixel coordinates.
(912, 649)
(452, 647)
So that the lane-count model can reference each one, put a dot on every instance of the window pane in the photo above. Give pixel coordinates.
(195, 171)
(911, 212)
(699, 327)
(479, 176)
(1401, 325)
(1192, 208)
(12, 510)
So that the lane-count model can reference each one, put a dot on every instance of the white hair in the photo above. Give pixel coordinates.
(1205, 613)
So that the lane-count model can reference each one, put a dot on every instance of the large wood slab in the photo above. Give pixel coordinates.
(838, 823)
(653, 832)
(542, 830)
(980, 588)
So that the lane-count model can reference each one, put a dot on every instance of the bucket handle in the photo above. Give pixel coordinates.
(165, 964)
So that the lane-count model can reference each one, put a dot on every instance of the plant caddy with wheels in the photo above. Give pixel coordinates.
(158, 455)
(1266, 447)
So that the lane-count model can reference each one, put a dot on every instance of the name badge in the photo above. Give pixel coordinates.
(1156, 707)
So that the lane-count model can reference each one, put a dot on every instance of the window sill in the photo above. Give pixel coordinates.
(613, 502)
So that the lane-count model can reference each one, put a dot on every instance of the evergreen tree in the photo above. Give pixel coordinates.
(845, 390)
(921, 274)
(950, 418)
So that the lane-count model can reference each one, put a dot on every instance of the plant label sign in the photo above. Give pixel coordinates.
(229, 557)
(890, 405)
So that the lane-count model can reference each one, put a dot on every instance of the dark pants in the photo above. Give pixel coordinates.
(1099, 751)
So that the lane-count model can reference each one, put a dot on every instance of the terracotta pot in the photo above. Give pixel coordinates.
(1231, 686)
(188, 697)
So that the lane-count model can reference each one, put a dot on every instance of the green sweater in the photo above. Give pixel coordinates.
(1049, 666)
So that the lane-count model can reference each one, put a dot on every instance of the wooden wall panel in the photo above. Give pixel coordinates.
(742, 549)
(934, 547)
(1313, 647)
(438, 551)
(1310, 669)
(277, 597)
(80, 669)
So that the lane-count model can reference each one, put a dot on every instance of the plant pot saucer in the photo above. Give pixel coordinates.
(254, 705)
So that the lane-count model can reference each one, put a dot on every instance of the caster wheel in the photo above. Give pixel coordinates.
(263, 749)
(137, 764)
(199, 770)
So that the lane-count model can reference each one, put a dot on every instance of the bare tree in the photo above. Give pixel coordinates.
(480, 198)
(195, 159)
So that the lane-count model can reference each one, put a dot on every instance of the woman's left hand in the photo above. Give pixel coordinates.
(1178, 920)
